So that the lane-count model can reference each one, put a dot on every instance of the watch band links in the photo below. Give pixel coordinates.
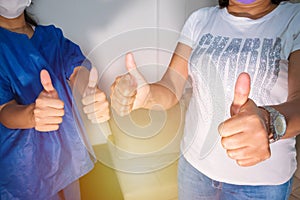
(273, 114)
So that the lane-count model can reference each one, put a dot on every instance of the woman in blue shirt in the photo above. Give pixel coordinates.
(41, 148)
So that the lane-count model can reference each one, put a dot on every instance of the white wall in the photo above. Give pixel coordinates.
(106, 29)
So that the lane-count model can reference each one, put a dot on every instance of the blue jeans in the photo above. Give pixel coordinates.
(193, 185)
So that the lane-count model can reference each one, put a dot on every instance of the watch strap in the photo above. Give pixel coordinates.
(273, 114)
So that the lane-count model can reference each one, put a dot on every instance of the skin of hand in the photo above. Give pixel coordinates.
(245, 134)
(95, 104)
(129, 91)
(49, 108)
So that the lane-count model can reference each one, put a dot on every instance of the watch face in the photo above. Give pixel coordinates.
(280, 125)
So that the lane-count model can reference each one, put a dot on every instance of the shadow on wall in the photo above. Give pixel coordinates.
(77, 11)
(80, 18)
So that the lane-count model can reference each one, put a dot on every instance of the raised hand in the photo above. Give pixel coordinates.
(245, 135)
(129, 91)
(49, 109)
(96, 106)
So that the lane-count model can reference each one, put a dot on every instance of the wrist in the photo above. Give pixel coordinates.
(142, 98)
(15, 116)
(31, 116)
(277, 124)
(266, 117)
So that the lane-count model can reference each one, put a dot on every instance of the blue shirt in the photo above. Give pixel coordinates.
(33, 164)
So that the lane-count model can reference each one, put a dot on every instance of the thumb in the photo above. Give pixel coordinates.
(93, 78)
(241, 93)
(130, 62)
(133, 71)
(46, 81)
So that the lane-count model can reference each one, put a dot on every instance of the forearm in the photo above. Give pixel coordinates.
(160, 97)
(291, 111)
(79, 79)
(169, 90)
(291, 108)
(15, 116)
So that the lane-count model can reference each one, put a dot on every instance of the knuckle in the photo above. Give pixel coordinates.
(112, 87)
(37, 128)
(114, 106)
(100, 96)
(62, 104)
(38, 102)
(122, 114)
(85, 109)
(239, 163)
(84, 101)
(37, 120)
(103, 96)
(125, 108)
(112, 97)
(105, 104)
(224, 143)
(36, 112)
(267, 156)
(92, 116)
(118, 78)
(254, 118)
(230, 154)
(62, 112)
(55, 127)
(221, 128)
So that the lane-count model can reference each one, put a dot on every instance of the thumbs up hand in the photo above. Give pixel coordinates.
(96, 107)
(129, 91)
(49, 109)
(245, 135)
(241, 93)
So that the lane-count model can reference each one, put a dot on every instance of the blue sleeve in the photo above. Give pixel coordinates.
(72, 55)
(6, 93)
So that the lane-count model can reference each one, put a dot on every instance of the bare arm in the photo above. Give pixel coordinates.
(81, 74)
(291, 108)
(15, 116)
(137, 93)
(168, 91)
(245, 136)
(43, 115)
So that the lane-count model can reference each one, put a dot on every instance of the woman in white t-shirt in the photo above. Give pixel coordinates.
(240, 128)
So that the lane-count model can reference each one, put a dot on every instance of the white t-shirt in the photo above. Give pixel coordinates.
(224, 46)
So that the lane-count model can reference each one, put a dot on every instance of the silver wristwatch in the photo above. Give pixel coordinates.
(277, 124)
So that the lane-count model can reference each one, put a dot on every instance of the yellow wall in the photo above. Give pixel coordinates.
(100, 184)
